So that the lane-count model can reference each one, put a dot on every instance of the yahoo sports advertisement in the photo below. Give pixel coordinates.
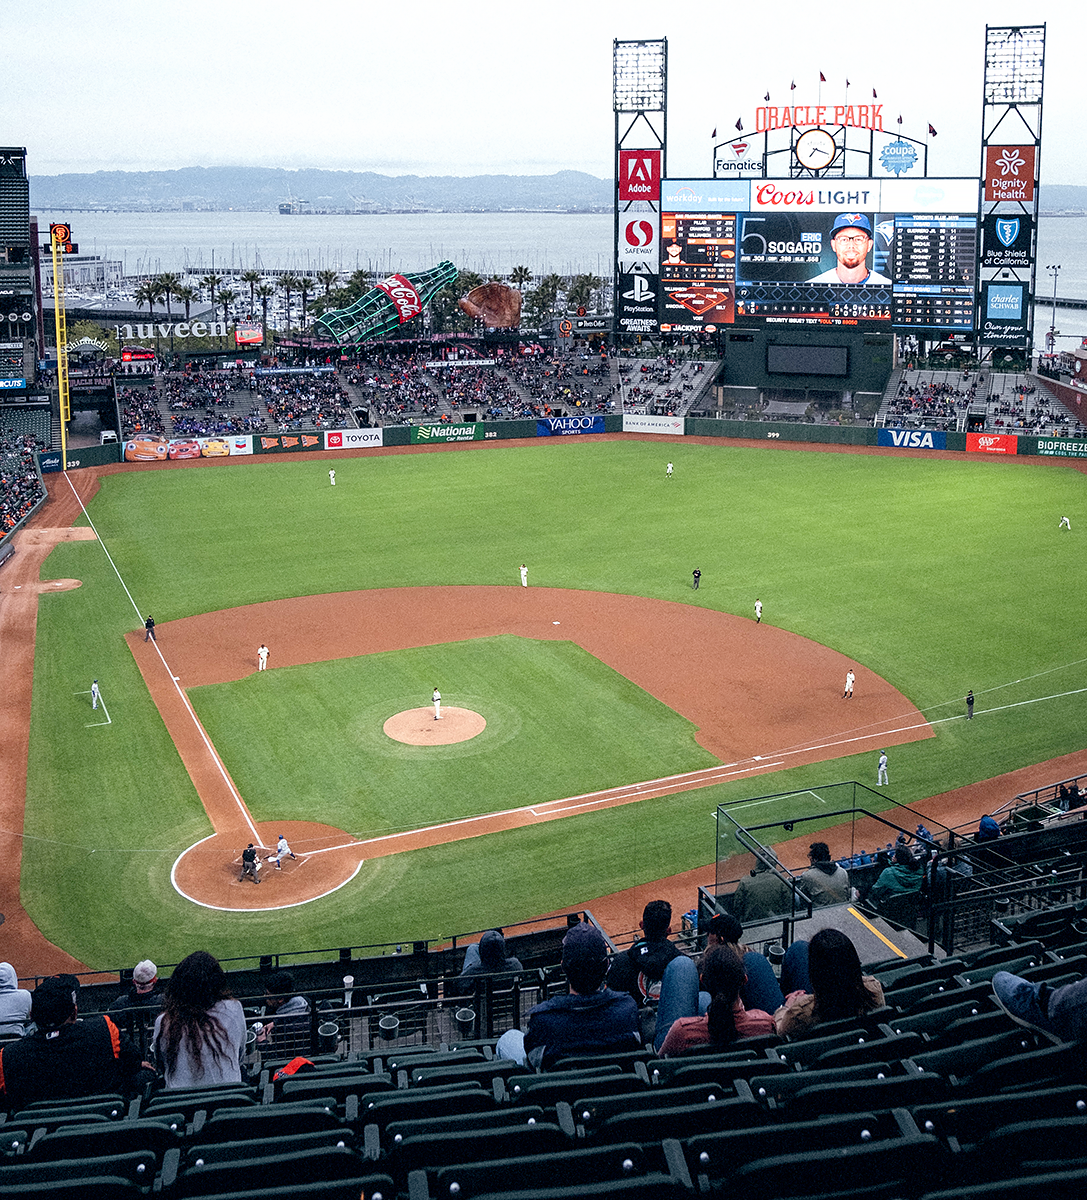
(874, 252)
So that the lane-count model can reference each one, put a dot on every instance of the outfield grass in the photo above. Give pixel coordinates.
(938, 575)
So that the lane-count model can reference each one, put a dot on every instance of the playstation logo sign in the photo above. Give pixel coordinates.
(641, 292)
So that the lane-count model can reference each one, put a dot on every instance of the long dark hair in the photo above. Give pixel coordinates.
(723, 975)
(836, 980)
(196, 986)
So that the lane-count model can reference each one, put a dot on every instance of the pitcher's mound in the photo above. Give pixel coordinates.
(417, 727)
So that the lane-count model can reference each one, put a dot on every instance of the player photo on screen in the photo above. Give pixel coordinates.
(846, 248)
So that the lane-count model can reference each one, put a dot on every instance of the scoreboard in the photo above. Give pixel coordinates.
(878, 253)
(934, 269)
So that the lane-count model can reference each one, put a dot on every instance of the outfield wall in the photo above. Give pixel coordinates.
(444, 433)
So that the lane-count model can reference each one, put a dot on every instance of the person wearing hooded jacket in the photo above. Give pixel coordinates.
(489, 957)
(14, 1002)
(825, 882)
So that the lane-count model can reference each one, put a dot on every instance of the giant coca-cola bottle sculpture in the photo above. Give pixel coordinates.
(387, 306)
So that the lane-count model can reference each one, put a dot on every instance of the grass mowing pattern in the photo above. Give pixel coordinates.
(559, 722)
(939, 575)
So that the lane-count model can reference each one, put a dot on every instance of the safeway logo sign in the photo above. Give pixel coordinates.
(639, 174)
(638, 238)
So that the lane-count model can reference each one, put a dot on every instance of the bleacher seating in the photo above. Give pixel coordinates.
(930, 1097)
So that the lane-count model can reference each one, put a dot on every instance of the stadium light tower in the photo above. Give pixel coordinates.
(640, 104)
(1011, 152)
(1051, 337)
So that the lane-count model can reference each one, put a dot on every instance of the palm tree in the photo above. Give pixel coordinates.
(582, 289)
(226, 299)
(287, 284)
(252, 278)
(150, 293)
(327, 278)
(211, 282)
(169, 282)
(265, 292)
(519, 276)
(186, 295)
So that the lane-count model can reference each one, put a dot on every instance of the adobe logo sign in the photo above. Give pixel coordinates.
(639, 174)
(1009, 172)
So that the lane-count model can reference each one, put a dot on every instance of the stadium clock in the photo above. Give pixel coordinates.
(815, 149)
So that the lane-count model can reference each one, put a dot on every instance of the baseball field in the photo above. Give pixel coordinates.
(928, 575)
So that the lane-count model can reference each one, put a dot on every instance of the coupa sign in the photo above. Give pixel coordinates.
(560, 426)
(913, 439)
(181, 329)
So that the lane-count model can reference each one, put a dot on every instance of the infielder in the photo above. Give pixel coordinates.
(881, 774)
(758, 612)
(850, 679)
(524, 575)
(94, 694)
(437, 698)
(1065, 524)
(262, 658)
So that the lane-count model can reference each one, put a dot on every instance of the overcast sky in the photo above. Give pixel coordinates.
(435, 87)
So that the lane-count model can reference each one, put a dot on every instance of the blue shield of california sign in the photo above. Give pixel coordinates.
(1007, 230)
(1006, 241)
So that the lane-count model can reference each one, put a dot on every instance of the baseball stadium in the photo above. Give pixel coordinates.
(343, 718)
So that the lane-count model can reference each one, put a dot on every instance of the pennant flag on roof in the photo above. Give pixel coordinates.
(931, 131)
(822, 77)
(714, 134)
(874, 96)
(739, 125)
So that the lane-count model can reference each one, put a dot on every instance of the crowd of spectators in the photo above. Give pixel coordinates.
(933, 400)
(20, 485)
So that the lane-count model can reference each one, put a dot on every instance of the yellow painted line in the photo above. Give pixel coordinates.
(886, 941)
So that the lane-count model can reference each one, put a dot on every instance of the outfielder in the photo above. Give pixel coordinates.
(94, 694)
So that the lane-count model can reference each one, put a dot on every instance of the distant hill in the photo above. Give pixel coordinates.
(263, 189)
(1062, 197)
(258, 189)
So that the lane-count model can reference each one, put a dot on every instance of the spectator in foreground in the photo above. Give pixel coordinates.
(640, 969)
(761, 894)
(14, 1002)
(590, 1019)
(824, 882)
(63, 1058)
(200, 1034)
(762, 990)
(724, 1019)
(901, 878)
(988, 829)
(838, 988)
(487, 957)
(142, 993)
(1059, 1013)
(289, 1032)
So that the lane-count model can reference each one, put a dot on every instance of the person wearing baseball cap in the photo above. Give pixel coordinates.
(589, 1019)
(142, 993)
(851, 241)
(64, 1058)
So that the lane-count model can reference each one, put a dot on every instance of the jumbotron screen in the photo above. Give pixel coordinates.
(890, 253)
